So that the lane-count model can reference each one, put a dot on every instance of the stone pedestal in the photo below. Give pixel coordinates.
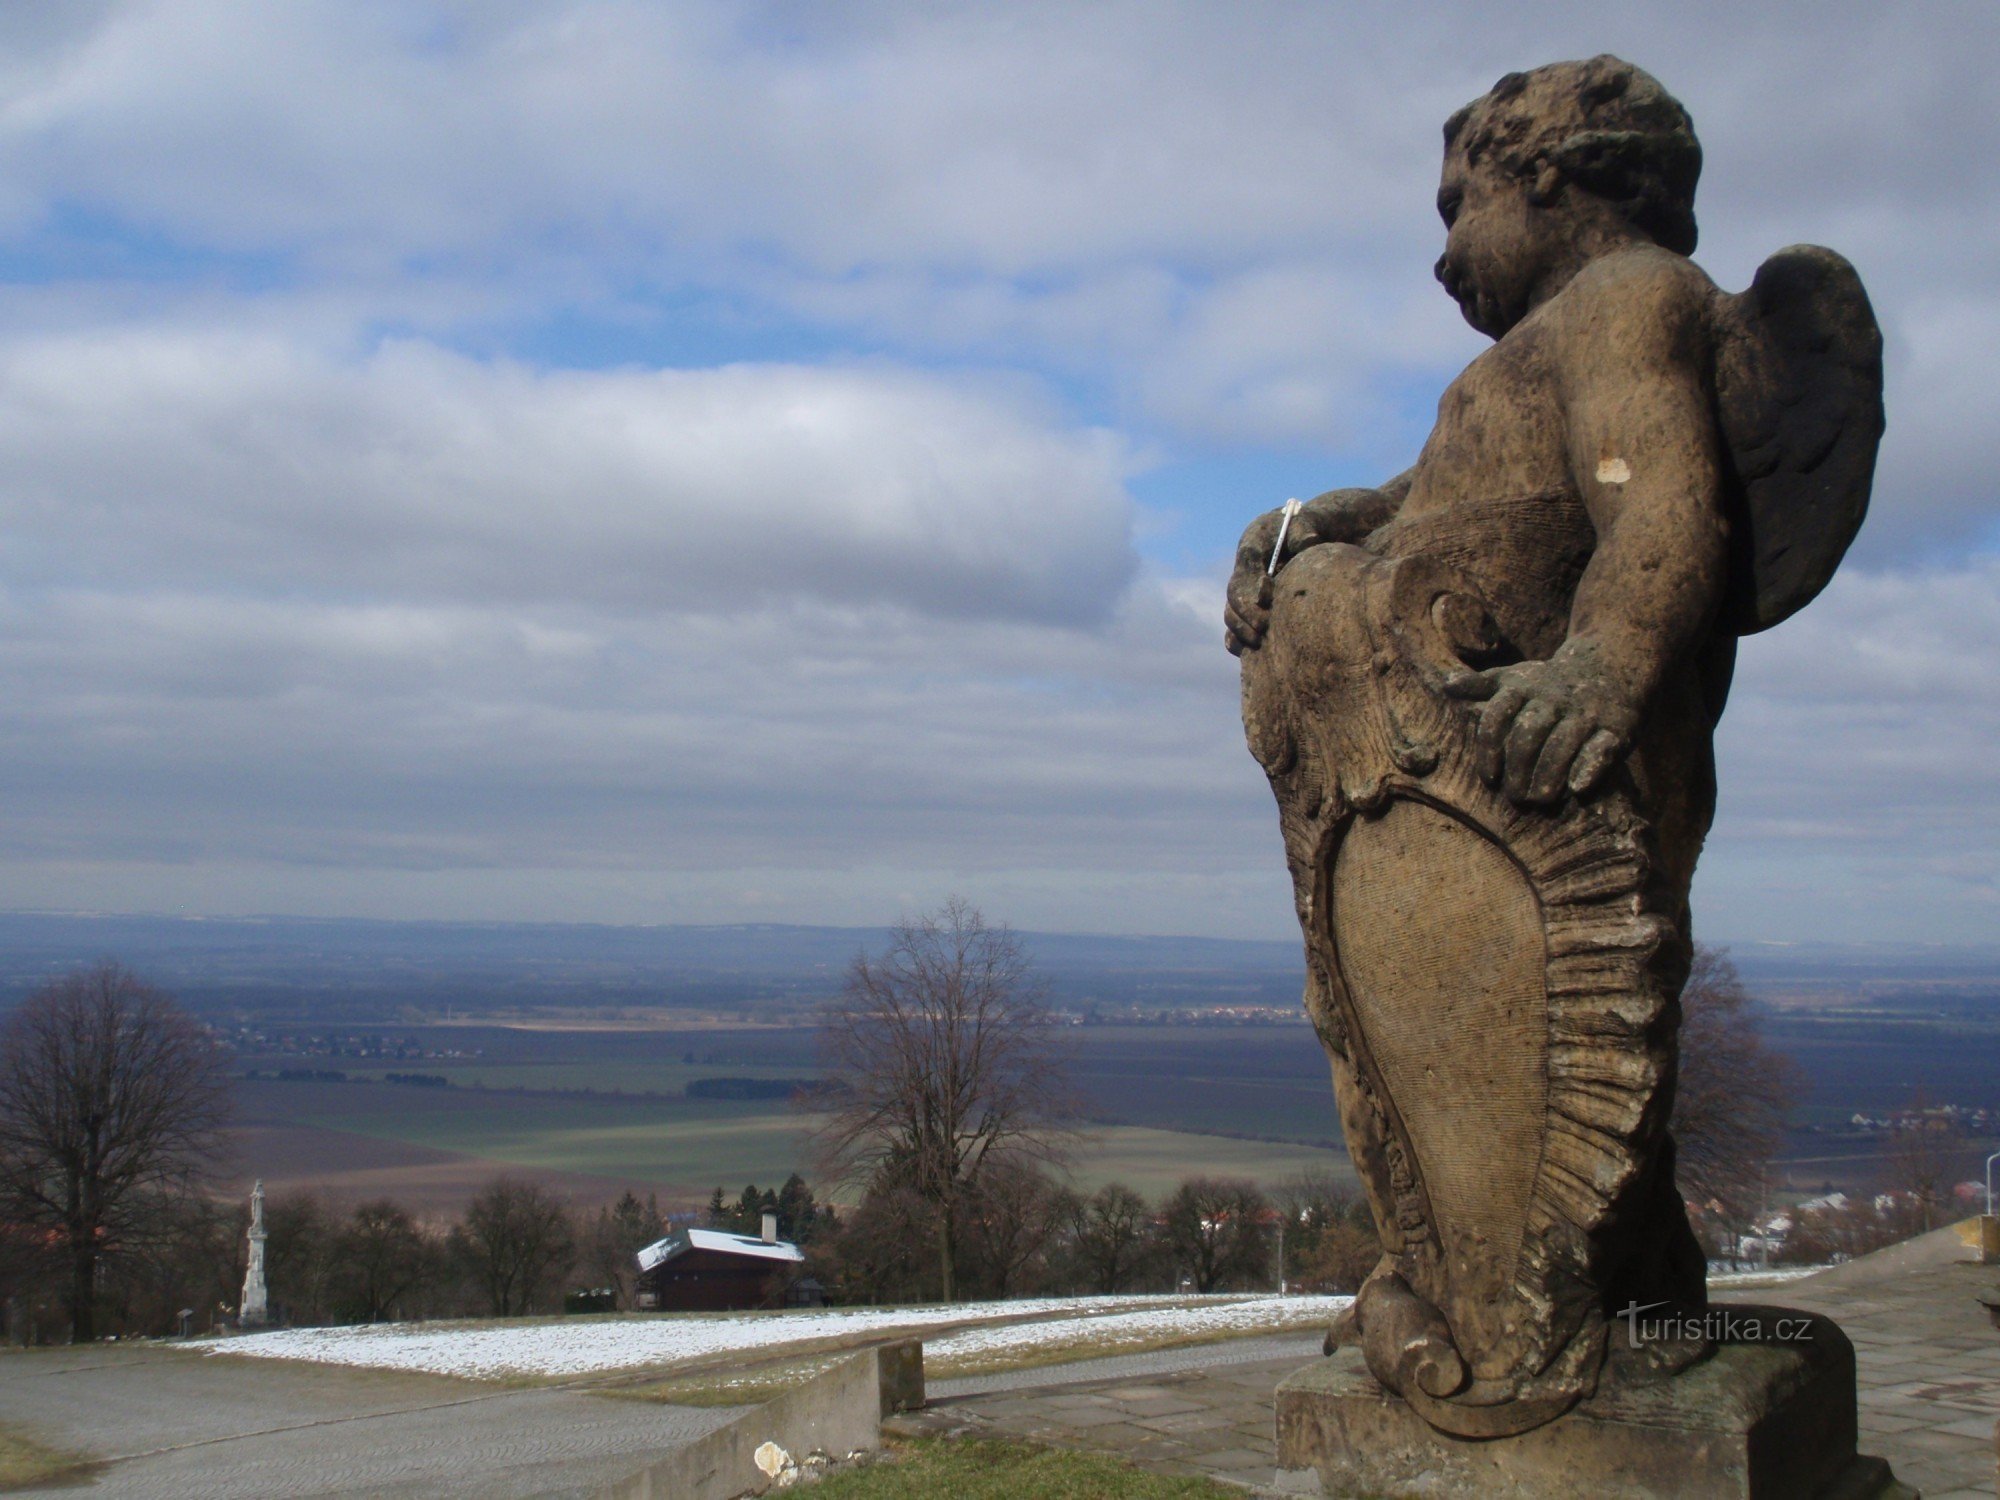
(1987, 1239)
(1769, 1416)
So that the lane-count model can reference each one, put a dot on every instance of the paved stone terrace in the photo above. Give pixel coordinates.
(1929, 1382)
(1929, 1358)
(175, 1427)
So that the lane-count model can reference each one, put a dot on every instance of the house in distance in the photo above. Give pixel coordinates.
(713, 1270)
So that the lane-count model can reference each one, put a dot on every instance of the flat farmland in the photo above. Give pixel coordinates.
(597, 1111)
(679, 1148)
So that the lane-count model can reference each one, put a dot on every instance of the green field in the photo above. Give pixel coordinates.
(688, 1146)
(1152, 1162)
(642, 1077)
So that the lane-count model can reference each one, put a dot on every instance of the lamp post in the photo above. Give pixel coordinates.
(1989, 1182)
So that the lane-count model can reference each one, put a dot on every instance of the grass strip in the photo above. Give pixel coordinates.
(999, 1469)
(25, 1460)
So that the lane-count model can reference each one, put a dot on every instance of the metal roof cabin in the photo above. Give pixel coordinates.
(713, 1270)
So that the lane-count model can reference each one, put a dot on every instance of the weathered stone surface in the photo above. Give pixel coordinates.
(1754, 1421)
(797, 1434)
(1485, 696)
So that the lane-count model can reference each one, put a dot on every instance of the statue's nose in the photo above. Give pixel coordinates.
(1442, 274)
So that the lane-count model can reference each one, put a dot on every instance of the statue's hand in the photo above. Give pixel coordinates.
(1548, 726)
(1246, 607)
(1336, 516)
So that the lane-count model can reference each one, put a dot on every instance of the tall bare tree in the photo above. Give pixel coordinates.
(1111, 1238)
(384, 1259)
(1015, 1213)
(943, 1060)
(112, 1103)
(1734, 1092)
(1218, 1232)
(518, 1241)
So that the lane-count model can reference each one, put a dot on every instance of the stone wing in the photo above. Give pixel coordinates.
(1799, 386)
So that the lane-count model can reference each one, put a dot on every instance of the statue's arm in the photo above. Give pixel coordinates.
(1336, 516)
(1644, 452)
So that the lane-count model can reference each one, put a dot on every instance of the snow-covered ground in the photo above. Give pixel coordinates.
(585, 1347)
(599, 1345)
(1773, 1277)
(1104, 1334)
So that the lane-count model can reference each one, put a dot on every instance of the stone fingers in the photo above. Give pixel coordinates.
(1531, 729)
(1599, 754)
(1559, 753)
(1495, 723)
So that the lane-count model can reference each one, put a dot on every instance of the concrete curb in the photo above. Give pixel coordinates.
(836, 1415)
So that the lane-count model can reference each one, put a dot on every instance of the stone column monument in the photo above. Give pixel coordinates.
(1485, 696)
(256, 1311)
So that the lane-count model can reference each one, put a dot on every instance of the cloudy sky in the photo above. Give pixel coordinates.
(694, 462)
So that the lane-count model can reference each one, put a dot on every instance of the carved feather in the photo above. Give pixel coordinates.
(1799, 389)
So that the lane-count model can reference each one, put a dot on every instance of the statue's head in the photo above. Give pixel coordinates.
(1546, 153)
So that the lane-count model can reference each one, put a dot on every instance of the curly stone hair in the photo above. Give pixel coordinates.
(1603, 125)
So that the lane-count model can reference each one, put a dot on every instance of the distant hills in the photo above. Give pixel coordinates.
(304, 968)
(341, 967)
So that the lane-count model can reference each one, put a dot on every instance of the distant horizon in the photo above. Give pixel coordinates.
(1863, 945)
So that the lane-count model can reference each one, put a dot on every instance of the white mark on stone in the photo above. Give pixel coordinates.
(1613, 471)
(772, 1459)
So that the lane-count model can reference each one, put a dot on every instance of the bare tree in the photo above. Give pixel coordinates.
(302, 1256)
(943, 1062)
(1014, 1213)
(1217, 1230)
(1330, 1244)
(1111, 1238)
(383, 1259)
(1734, 1092)
(609, 1243)
(518, 1241)
(112, 1103)
(1919, 1165)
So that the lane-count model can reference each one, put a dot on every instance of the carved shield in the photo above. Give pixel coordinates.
(1493, 986)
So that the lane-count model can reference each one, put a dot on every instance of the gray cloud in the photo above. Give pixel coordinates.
(296, 614)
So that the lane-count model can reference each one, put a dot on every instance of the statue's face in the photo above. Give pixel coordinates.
(1498, 247)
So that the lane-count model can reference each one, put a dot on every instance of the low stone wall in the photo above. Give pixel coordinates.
(835, 1415)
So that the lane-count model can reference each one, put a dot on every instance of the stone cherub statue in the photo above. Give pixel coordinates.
(1485, 695)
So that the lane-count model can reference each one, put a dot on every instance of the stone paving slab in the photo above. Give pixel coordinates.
(1928, 1363)
(173, 1426)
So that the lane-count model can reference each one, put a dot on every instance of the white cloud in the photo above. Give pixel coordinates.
(139, 457)
(1093, 186)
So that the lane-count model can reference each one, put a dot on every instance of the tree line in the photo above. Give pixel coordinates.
(516, 1249)
(1022, 1232)
(946, 1118)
